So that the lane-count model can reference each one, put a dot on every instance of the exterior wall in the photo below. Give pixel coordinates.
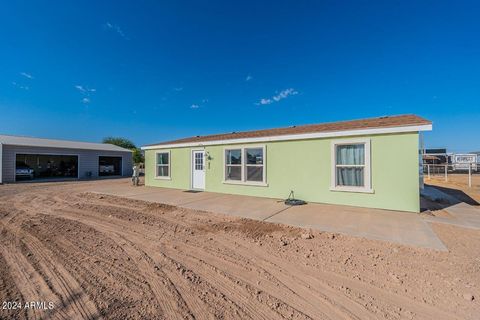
(87, 159)
(180, 163)
(305, 167)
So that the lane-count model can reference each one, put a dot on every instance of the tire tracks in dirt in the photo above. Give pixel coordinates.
(45, 277)
(99, 255)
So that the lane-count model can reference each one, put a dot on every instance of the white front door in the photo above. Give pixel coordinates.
(198, 169)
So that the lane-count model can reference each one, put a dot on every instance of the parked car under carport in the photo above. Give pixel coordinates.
(23, 171)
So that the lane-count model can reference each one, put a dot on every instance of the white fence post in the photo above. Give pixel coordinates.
(446, 175)
(428, 171)
(470, 175)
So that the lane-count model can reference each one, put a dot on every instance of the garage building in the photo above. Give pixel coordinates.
(25, 158)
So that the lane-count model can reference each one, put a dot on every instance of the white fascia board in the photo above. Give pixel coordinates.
(303, 136)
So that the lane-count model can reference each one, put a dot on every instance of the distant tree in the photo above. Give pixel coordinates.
(137, 155)
(121, 142)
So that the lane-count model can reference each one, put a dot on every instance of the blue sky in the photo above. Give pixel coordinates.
(153, 70)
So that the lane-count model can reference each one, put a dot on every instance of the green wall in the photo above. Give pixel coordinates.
(179, 169)
(305, 167)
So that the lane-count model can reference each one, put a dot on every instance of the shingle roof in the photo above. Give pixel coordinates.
(372, 123)
(50, 143)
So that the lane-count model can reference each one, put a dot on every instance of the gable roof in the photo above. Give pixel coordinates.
(387, 124)
(51, 143)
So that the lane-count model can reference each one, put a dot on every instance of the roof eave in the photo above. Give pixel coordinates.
(63, 147)
(303, 136)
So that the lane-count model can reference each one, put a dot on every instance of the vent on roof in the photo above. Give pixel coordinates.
(233, 132)
(384, 117)
(293, 126)
(198, 136)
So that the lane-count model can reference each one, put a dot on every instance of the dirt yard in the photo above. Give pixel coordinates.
(458, 182)
(70, 254)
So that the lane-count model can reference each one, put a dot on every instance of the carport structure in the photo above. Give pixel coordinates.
(26, 158)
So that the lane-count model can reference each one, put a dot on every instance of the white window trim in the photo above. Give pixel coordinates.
(169, 177)
(243, 166)
(367, 167)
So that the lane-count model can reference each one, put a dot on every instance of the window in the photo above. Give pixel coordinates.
(351, 166)
(198, 160)
(245, 165)
(163, 165)
(233, 165)
(254, 164)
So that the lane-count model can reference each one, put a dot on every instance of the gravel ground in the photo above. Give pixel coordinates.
(80, 255)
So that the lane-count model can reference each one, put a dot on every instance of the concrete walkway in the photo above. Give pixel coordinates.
(463, 215)
(397, 227)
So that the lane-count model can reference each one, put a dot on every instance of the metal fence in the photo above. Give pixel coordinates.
(468, 175)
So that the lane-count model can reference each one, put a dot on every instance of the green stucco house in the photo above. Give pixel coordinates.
(368, 163)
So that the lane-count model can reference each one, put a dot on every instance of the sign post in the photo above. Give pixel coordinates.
(470, 175)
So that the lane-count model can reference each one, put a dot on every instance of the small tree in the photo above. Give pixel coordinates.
(137, 155)
(121, 142)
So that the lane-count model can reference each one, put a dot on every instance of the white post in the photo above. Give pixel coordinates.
(446, 175)
(428, 171)
(470, 175)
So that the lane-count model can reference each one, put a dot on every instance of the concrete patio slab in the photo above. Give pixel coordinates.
(161, 195)
(240, 206)
(173, 197)
(465, 212)
(463, 215)
(397, 227)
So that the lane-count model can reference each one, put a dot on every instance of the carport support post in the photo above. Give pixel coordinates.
(446, 175)
(428, 171)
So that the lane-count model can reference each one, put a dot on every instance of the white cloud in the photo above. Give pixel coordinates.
(115, 28)
(20, 86)
(264, 101)
(84, 90)
(26, 75)
(199, 105)
(81, 88)
(248, 78)
(284, 94)
(276, 98)
(178, 89)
